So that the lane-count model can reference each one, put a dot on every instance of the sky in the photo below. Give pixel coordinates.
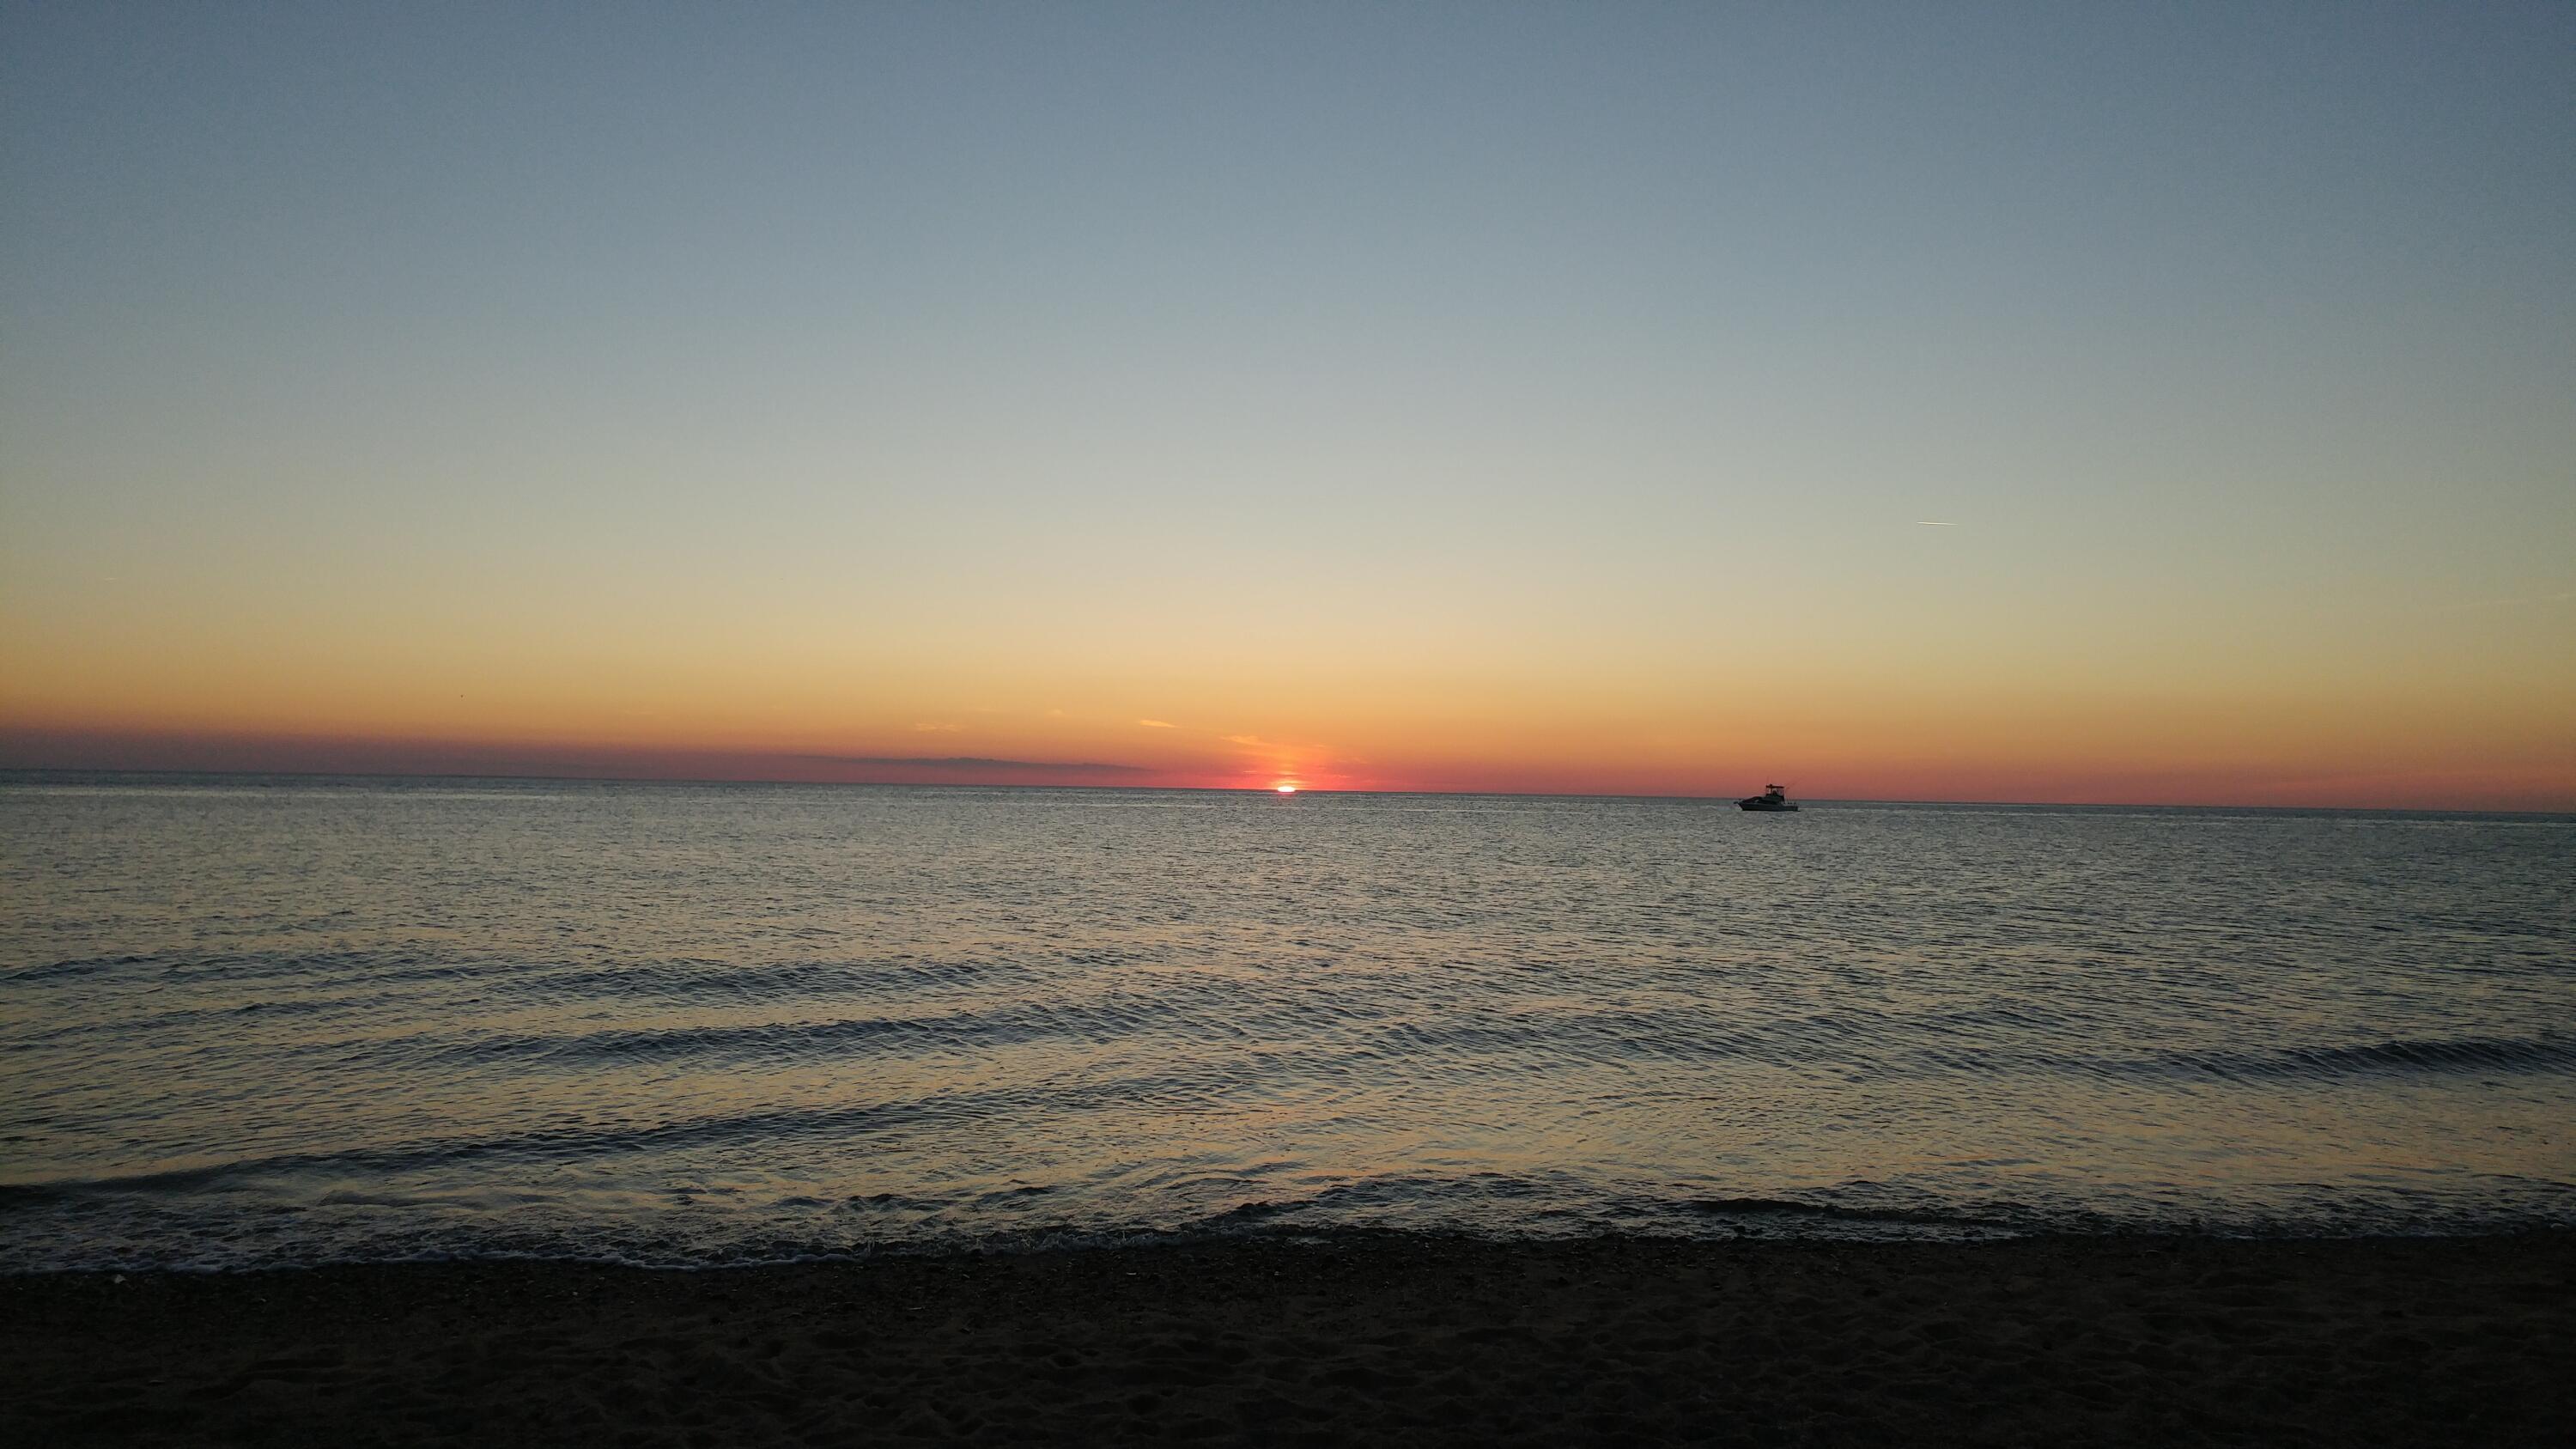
(2167, 403)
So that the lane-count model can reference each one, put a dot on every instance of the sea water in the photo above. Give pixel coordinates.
(299, 1020)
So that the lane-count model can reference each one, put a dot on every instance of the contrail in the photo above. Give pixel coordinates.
(1932, 523)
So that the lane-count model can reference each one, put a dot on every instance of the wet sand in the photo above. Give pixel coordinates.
(1361, 1339)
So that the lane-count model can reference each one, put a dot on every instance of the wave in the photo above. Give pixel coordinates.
(574, 1143)
(811, 1040)
(393, 1226)
(556, 1143)
(2399, 1056)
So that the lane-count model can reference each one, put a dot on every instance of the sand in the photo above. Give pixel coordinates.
(1364, 1339)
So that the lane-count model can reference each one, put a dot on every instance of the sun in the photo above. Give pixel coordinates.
(1285, 789)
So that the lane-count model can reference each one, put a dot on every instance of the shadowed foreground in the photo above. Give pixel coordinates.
(1367, 1338)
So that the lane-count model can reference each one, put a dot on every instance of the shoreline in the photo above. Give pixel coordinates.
(1351, 1337)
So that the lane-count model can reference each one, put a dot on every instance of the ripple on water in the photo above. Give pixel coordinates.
(363, 1019)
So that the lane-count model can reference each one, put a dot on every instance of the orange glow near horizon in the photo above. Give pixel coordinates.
(2430, 711)
(2408, 754)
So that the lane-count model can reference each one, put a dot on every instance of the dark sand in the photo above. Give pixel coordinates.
(1360, 1339)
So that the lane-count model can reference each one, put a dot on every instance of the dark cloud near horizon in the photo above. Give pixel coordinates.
(974, 762)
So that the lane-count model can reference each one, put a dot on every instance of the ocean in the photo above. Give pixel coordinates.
(256, 1021)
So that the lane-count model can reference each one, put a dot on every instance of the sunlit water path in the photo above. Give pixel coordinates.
(301, 1020)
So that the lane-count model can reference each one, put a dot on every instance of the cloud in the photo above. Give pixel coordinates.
(1158, 724)
(1933, 523)
(977, 762)
(1255, 741)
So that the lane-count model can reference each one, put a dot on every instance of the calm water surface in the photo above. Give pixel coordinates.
(249, 1021)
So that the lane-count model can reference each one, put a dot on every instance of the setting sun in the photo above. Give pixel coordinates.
(1285, 789)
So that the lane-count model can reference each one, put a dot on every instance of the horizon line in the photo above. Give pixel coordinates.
(10, 770)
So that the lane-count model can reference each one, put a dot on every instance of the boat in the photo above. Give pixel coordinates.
(1773, 797)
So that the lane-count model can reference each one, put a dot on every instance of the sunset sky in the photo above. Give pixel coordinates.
(2012, 402)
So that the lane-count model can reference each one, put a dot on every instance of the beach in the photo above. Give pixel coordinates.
(1339, 1339)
